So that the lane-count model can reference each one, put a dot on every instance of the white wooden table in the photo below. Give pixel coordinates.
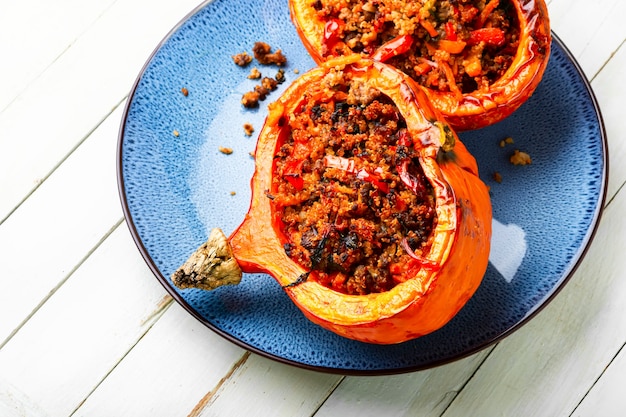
(86, 329)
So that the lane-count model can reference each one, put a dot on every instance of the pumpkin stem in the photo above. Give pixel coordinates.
(210, 266)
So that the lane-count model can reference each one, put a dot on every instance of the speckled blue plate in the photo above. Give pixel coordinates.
(176, 187)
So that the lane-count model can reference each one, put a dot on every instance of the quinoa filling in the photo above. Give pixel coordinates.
(457, 46)
(350, 195)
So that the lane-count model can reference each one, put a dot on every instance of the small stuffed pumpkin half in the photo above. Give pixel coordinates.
(366, 208)
(477, 60)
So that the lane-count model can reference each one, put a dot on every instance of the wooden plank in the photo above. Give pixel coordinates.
(607, 396)
(64, 351)
(34, 139)
(22, 24)
(424, 393)
(593, 30)
(173, 366)
(77, 206)
(262, 387)
(547, 366)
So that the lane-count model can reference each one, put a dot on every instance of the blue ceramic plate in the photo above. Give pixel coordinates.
(176, 185)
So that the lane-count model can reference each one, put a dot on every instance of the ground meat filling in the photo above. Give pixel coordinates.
(344, 208)
(457, 46)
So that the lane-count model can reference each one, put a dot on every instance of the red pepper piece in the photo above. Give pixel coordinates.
(451, 32)
(402, 167)
(373, 179)
(349, 165)
(293, 174)
(394, 47)
(332, 30)
(491, 36)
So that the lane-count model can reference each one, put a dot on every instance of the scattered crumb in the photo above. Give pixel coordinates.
(176, 133)
(255, 74)
(506, 141)
(250, 99)
(263, 54)
(248, 129)
(225, 151)
(261, 91)
(242, 59)
(251, 155)
(296, 71)
(520, 158)
(497, 177)
(233, 193)
(184, 91)
(269, 83)
(280, 76)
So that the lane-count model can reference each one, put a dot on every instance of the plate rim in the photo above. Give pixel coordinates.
(567, 274)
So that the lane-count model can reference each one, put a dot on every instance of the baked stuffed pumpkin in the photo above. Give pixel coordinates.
(366, 208)
(478, 60)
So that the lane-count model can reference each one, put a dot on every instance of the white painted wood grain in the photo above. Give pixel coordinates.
(34, 33)
(592, 30)
(77, 91)
(13, 402)
(58, 225)
(69, 346)
(265, 388)
(424, 393)
(167, 373)
(607, 398)
(546, 367)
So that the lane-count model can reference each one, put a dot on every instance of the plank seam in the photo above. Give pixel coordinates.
(61, 282)
(330, 393)
(467, 381)
(610, 200)
(62, 160)
(582, 399)
(162, 308)
(607, 61)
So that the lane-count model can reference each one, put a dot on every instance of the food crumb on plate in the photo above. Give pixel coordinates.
(263, 53)
(520, 158)
(255, 74)
(250, 99)
(248, 129)
(225, 151)
(506, 141)
(242, 59)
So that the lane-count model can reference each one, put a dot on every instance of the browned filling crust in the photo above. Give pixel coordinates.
(352, 199)
(458, 46)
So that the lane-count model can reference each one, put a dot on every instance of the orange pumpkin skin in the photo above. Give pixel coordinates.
(461, 237)
(479, 108)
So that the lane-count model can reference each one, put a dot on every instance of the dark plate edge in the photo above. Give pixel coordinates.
(354, 372)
